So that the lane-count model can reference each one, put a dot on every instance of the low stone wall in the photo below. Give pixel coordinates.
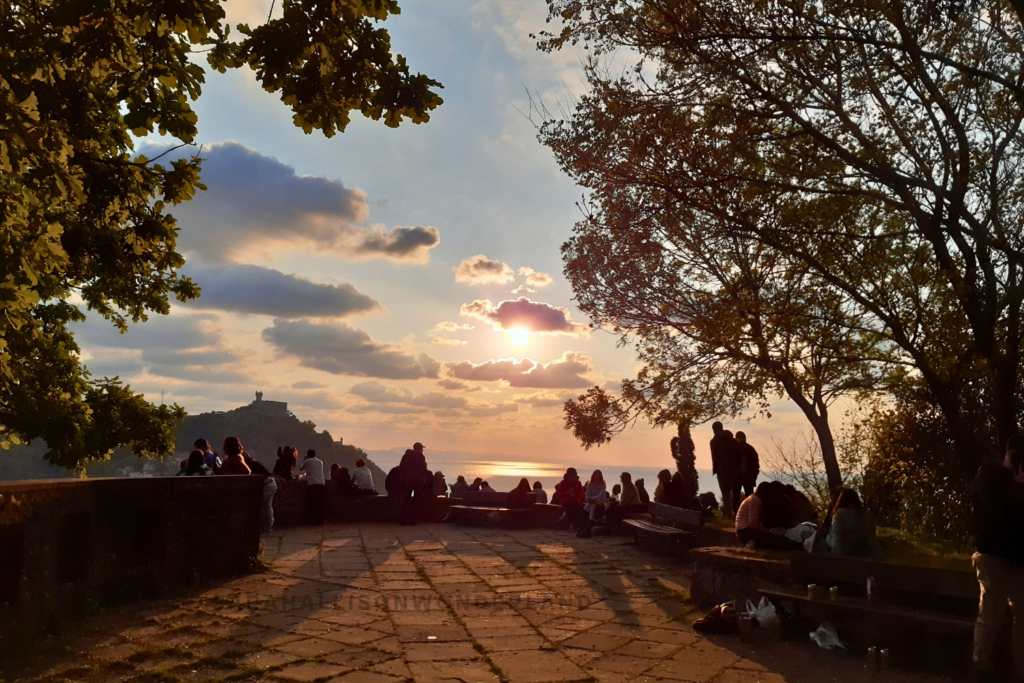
(723, 574)
(290, 506)
(69, 546)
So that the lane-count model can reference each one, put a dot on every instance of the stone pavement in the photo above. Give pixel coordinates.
(382, 603)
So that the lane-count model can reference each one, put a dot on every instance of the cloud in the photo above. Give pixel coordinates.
(185, 347)
(480, 270)
(493, 410)
(247, 288)
(256, 204)
(447, 342)
(540, 399)
(448, 326)
(526, 314)
(562, 373)
(375, 392)
(534, 280)
(340, 349)
(456, 385)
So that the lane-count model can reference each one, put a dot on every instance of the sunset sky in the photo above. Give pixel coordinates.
(372, 280)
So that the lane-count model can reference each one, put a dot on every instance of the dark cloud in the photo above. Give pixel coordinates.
(185, 347)
(525, 314)
(344, 350)
(375, 392)
(254, 203)
(561, 373)
(456, 385)
(480, 270)
(247, 288)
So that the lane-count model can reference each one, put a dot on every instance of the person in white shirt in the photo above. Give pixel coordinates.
(362, 478)
(316, 487)
(542, 495)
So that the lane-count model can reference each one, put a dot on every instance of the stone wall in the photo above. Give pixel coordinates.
(69, 546)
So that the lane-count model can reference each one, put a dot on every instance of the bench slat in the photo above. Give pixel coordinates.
(656, 528)
(861, 605)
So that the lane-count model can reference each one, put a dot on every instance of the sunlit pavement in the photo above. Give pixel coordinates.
(433, 603)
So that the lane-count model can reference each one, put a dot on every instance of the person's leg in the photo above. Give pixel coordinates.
(725, 486)
(1016, 588)
(994, 576)
(267, 519)
(737, 491)
(766, 540)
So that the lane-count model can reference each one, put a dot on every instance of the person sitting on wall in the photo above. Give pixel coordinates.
(751, 531)
(183, 465)
(211, 457)
(569, 494)
(852, 532)
(542, 495)
(519, 497)
(475, 486)
(440, 485)
(234, 463)
(595, 495)
(316, 487)
(486, 488)
(362, 479)
(460, 487)
(344, 484)
(195, 465)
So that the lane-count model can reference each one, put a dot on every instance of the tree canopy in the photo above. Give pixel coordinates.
(871, 148)
(85, 223)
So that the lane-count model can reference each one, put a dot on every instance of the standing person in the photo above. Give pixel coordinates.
(234, 463)
(725, 464)
(269, 489)
(418, 485)
(316, 487)
(750, 465)
(997, 534)
(542, 495)
(211, 457)
(285, 463)
(362, 479)
(641, 490)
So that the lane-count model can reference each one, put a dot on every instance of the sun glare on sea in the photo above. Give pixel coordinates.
(518, 337)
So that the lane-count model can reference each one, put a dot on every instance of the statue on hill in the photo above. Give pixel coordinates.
(259, 396)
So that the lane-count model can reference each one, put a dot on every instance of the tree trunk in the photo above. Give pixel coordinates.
(828, 449)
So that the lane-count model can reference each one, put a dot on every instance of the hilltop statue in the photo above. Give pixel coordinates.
(259, 396)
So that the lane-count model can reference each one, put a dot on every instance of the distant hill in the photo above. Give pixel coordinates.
(261, 426)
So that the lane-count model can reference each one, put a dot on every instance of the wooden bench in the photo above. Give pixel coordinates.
(677, 524)
(477, 503)
(925, 612)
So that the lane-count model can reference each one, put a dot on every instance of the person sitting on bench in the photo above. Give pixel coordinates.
(460, 487)
(749, 528)
(518, 497)
(629, 502)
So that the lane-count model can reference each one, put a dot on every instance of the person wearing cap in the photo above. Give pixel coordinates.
(417, 485)
(440, 485)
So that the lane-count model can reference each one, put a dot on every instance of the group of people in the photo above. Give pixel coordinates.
(736, 464)
(585, 504)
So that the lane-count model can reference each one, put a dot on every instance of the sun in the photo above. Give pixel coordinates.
(518, 337)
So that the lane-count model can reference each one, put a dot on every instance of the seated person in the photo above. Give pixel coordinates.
(519, 497)
(664, 481)
(852, 533)
(440, 485)
(628, 503)
(542, 495)
(362, 479)
(460, 487)
(570, 489)
(803, 508)
(486, 488)
(645, 497)
(707, 501)
(477, 483)
(344, 486)
(751, 531)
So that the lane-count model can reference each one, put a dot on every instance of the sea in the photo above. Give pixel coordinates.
(505, 475)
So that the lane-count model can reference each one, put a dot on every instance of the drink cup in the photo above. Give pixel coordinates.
(833, 593)
(812, 591)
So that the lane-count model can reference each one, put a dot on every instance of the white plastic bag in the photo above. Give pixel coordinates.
(826, 637)
(764, 612)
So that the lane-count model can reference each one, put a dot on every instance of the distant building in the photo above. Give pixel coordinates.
(268, 406)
